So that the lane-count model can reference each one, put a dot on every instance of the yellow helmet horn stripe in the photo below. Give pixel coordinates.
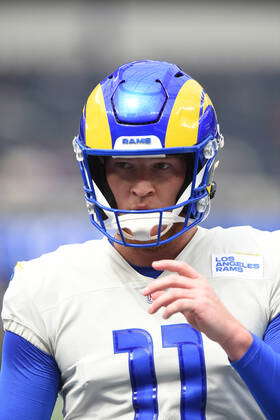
(207, 101)
(182, 129)
(97, 133)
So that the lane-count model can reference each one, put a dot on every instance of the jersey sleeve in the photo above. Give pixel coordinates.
(29, 381)
(20, 313)
(260, 366)
(274, 252)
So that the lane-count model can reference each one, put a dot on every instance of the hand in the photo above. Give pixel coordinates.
(188, 292)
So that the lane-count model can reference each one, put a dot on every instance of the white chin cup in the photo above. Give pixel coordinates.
(142, 227)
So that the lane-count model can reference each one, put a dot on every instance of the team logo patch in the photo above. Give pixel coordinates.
(241, 265)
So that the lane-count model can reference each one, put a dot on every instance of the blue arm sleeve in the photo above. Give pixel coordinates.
(260, 370)
(29, 381)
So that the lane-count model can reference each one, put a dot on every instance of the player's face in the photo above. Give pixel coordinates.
(145, 183)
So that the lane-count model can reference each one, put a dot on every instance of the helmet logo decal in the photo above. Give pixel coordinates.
(137, 142)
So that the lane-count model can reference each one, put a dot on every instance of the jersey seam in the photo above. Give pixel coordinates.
(26, 326)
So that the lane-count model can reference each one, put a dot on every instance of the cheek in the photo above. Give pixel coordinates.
(112, 182)
(118, 187)
(172, 190)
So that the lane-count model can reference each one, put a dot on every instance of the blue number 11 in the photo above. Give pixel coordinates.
(138, 344)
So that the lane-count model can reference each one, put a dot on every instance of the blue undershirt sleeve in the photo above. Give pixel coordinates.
(260, 370)
(272, 334)
(29, 381)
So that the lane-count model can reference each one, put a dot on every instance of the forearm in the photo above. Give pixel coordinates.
(238, 343)
(260, 370)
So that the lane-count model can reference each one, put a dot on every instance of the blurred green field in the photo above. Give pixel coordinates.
(57, 410)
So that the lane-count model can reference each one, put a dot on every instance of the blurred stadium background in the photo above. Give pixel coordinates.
(52, 55)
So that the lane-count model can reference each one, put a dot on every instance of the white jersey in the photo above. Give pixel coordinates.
(82, 305)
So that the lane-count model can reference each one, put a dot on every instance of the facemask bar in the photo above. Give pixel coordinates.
(194, 203)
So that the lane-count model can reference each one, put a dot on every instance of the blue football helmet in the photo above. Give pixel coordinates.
(154, 109)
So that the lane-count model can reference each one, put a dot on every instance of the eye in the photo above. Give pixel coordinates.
(162, 166)
(123, 165)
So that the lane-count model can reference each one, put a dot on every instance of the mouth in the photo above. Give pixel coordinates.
(141, 207)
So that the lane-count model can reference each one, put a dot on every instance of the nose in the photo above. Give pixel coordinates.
(142, 188)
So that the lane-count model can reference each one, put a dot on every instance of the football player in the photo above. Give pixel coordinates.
(161, 319)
